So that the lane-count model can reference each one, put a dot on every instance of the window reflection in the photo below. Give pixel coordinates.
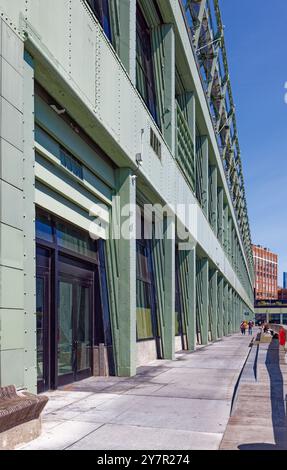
(144, 70)
(101, 9)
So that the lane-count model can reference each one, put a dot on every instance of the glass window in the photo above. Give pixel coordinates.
(144, 311)
(72, 239)
(145, 72)
(145, 301)
(102, 11)
(275, 319)
(44, 230)
(71, 163)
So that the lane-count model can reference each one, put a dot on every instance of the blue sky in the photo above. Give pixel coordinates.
(256, 41)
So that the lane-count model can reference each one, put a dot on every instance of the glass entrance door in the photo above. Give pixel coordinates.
(74, 329)
(43, 319)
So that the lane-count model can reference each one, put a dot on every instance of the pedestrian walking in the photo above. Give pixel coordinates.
(243, 328)
(250, 327)
(282, 337)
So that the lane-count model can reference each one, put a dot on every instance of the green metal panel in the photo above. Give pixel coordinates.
(187, 273)
(230, 311)
(30, 355)
(163, 47)
(164, 272)
(220, 221)
(202, 172)
(202, 299)
(127, 38)
(220, 306)
(213, 198)
(121, 267)
(213, 304)
(226, 309)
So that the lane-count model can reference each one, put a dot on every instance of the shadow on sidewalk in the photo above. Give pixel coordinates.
(278, 402)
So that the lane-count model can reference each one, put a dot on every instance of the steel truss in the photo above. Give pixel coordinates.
(207, 34)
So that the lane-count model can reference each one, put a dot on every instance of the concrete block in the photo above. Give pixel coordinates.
(146, 352)
(20, 435)
(11, 329)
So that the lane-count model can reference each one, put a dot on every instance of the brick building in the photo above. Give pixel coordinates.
(266, 273)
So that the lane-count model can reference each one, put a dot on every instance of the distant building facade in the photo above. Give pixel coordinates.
(266, 273)
(282, 294)
(284, 280)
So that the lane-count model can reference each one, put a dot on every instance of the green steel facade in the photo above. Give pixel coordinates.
(107, 105)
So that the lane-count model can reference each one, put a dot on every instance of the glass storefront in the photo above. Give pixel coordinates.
(146, 316)
(69, 302)
(275, 318)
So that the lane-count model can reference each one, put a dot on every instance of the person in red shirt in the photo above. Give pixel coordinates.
(282, 336)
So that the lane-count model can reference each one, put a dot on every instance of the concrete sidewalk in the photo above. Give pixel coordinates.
(259, 420)
(184, 404)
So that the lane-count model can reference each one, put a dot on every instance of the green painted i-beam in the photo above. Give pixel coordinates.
(187, 272)
(202, 298)
(168, 333)
(213, 303)
(220, 306)
(123, 270)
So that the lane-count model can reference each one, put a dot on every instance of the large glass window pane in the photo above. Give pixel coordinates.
(76, 241)
(101, 10)
(44, 230)
(144, 312)
(284, 319)
(65, 329)
(83, 326)
(275, 319)
(144, 70)
(40, 326)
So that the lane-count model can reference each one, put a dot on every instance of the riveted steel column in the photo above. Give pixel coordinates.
(226, 307)
(187, 269)
(220, 307)
(127, 276)
(231, 310)
(205, 300)
(169, 86)
(220, 221)
(213, 198)
(30, 351)
(225, 212)
(168, 332)
(127, 47)
(205, 176)
(13, 341)
(213, 306)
